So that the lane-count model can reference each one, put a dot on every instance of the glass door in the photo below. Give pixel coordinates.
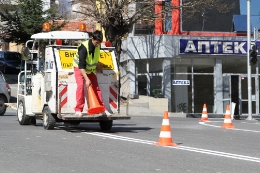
(243, 95)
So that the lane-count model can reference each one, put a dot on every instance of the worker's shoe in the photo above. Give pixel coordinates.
(78, 114)
(106, 113)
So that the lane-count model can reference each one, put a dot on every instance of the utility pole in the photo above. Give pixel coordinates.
(256, 70)
(248, 61)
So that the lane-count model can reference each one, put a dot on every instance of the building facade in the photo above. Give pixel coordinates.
(192, 68)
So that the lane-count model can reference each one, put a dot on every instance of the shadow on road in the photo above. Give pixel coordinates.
(94, 127)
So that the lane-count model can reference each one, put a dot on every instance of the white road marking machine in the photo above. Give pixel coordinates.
(47, 86)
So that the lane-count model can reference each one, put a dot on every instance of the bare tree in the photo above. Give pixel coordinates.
(118, 16)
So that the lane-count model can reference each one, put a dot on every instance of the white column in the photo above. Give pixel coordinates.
(166, 82)
(218, 87)
(132, 77)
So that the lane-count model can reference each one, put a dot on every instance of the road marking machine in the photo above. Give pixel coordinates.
(47, 87)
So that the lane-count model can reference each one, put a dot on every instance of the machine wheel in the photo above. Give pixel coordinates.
(2, 105)
(48, 120)
(106, 125)
(23, 119)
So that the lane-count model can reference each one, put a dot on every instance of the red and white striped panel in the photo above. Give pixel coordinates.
(63, 94)
(113, 97)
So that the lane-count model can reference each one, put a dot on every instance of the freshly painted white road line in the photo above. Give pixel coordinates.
(245, 130)
(179, 147)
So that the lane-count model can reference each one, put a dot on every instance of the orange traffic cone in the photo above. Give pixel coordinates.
(94, 106)
(165, 138)
(227, 120)
(204, 116)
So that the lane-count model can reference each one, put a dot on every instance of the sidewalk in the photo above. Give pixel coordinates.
(139, 111)
(139, 108)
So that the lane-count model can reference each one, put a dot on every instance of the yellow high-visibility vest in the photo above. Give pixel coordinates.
(91, 61)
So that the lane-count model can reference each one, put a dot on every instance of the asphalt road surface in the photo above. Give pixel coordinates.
(129, 147)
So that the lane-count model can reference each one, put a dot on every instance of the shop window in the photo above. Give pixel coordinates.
(203, 93)
(155, 65)
(182, 94)
(142, 85)
(156, 86)
(235, 65)
(177, 62)
(203, 65)
(141, 66)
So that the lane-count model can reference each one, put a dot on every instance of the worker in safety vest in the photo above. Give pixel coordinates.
(86, 66)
